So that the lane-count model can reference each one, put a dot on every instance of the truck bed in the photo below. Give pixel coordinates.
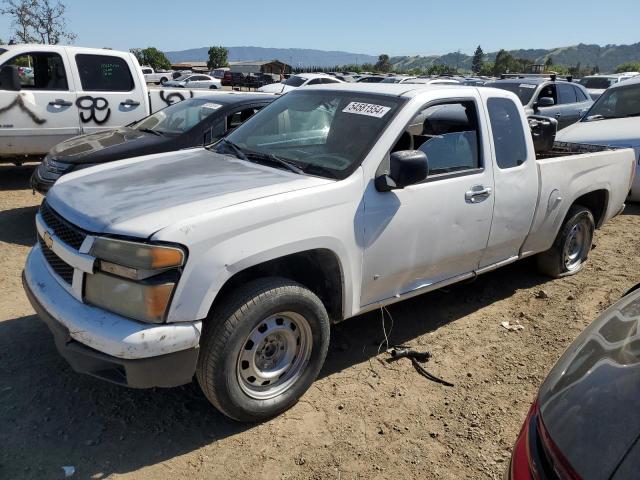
(565, 149)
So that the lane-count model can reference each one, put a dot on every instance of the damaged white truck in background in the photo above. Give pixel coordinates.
(230, 262)
(68, 91)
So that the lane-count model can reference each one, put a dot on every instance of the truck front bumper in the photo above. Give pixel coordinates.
(108, 346)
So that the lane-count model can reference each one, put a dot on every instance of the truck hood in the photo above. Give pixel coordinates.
(618, 132)
(140, 196)
(110, 145)
(589, 402)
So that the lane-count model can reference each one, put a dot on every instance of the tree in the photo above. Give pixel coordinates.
(477, 61)
(441, 69)
(487, 69)
(218, 57)
(152, 57)
(548, 62)
(504, 63)
(38, 21)
(383, 64)
(628, 67)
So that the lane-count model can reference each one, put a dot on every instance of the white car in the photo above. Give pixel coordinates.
(300, 80)
(597, 84)
(153, 76)
(614, 120)
(231, 262)
(195, 80)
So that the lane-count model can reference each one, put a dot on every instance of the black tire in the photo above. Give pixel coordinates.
(556, 262)
(225, 339)
(163, 80)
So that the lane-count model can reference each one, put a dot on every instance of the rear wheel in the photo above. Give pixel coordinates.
(163, 80)
(262, 349)
(572, 245)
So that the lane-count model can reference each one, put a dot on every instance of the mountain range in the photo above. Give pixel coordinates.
(296, 57)
(606, 58)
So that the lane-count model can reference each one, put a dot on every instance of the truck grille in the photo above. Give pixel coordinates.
(59, 266)
(68, 233)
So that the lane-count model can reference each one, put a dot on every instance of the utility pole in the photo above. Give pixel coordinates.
(457, 60)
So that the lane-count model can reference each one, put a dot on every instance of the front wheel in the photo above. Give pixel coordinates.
(572, 245)
(262, 349)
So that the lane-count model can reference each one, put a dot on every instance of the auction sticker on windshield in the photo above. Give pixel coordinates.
(527, 85)
(368, 109)
(212, 106)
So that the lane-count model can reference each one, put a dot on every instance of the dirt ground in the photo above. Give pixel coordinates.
(362, 419)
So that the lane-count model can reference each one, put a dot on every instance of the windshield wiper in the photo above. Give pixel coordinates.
(314, 169)
(148, 130)
(273, 159)
(632, 115)
(236, 149)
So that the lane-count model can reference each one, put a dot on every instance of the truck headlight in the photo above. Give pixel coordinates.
(145, 301)
(139, 256)
(134, 279)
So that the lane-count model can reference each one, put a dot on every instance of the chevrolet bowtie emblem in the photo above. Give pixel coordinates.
(48, 241)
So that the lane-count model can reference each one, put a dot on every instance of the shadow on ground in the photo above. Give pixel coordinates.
(18, 226)
(51, 416)
(631, 209)
(15, 178)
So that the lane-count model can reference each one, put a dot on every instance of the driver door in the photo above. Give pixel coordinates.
(425, 234)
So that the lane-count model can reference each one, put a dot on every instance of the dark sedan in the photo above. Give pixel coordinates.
(192, 122)
(585, 423)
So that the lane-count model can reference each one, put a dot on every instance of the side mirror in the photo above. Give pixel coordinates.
(406, 167)
(9, 79)
(546, 102)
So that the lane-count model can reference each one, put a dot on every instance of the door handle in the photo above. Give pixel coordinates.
(477, 194)
(129, 103)
(58, 102)
(558, 115)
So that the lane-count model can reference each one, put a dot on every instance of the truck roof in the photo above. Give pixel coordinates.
(392, 89)
(60, 48)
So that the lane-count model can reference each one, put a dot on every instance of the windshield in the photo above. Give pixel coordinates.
(326, 133)
(619, 102)
(597, 82)
(179, 117)
(294, 81)
(524, 91)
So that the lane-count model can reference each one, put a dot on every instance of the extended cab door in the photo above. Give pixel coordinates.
(43, 113)
(437, 230)
(516, 178)
(111, 92)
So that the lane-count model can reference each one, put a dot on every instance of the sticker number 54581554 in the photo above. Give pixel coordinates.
(368, 109)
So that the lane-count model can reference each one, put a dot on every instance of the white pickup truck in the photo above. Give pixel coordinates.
(231, 262)
(160, 77)
(71, 91)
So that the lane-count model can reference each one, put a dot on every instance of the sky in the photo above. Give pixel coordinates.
(400, 27)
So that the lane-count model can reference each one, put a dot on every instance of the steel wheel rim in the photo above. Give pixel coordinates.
(274, 355)
(574, 245)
